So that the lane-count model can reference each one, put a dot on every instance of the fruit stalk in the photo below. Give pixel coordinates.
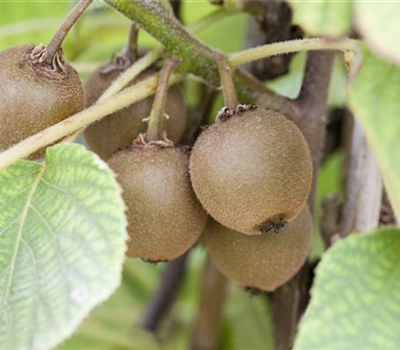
(291, 46)
(155, 129)
(132, 72)
(228, 87)
(131, 50)
(58, 38)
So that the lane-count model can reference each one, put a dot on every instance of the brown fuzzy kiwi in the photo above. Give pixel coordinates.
(252, 172)
(120, 129)
(262, 262)
(164, 216)
(34, 96)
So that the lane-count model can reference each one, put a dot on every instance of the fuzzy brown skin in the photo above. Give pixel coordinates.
(252, 171)
(262, 262)
(118, 130)
(164, 216)
(33, 98)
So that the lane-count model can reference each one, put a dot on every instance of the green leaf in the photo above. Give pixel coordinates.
(248, 322)
(374, 99)
(355, 299)
(62, 244)
(379, 26)
(331, 18)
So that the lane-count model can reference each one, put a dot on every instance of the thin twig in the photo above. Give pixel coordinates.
(291, 46)
(132, 45)
(58, 38)
(81, 120)
(155, 127)
(165, 294)
(228, 87)
(131, 73)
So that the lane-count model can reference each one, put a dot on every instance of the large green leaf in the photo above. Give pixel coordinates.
(355, 299)
(62, 244)
(374, 100)
(332, 18)
(380, 27)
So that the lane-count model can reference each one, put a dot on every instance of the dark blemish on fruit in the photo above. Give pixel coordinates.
(273, 224)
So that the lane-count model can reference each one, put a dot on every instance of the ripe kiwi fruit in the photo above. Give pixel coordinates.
(121, 128)
(34, 95)
(262, 262)
(164, 216)
(252, 170)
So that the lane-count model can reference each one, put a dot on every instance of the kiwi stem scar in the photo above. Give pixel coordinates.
(65, 27)
(228, 87)
(155, 128)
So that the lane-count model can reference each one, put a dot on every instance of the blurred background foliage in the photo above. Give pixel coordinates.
(99, 35)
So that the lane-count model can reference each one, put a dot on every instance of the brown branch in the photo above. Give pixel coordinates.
(207, 328)
(196, 56)
(310, 109)
(271, 22)
(165, 294)
(363, 187)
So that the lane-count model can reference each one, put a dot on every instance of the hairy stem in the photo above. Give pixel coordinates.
(123, 80)
(155, 128)
(291, 46)
(165, 294)
(58, 38)
(131, 73)
(228, 87)
(82, 119)
(197, 58)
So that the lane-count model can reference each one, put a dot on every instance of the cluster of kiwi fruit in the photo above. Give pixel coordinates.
(248, 174)
(251, 171)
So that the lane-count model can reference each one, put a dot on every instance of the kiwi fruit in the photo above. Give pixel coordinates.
(120, 129)
(34, 96)
(164, 216)
(252, 170)
(262, 262)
